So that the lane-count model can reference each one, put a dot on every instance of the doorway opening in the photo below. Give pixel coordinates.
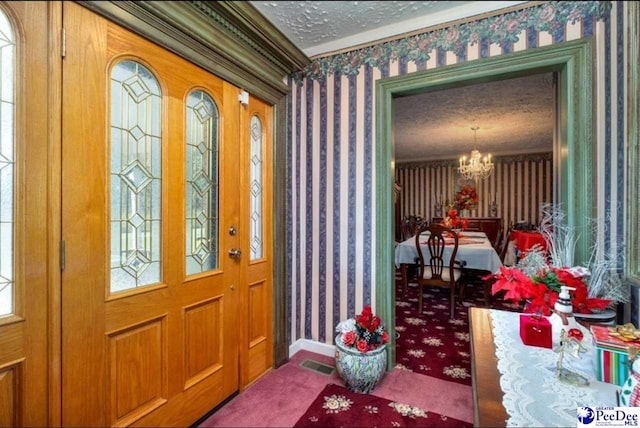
(573, 150)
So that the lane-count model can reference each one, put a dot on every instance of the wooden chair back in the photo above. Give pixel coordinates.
(441, 270)
(436, 261)
(410, 226)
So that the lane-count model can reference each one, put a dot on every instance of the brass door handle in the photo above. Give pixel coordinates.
(235, 253)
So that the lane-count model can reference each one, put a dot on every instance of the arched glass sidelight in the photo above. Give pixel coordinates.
(7, 164)
(136, 177)
(255, 188)
(201, 183)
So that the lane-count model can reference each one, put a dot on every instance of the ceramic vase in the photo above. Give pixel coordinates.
(360, 371)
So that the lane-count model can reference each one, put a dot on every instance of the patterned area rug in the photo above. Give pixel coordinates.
(431, 343)
(336, 406)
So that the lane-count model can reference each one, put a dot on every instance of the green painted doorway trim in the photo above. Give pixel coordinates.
(574, 175)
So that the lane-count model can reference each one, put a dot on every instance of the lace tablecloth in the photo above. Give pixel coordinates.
(533, 395)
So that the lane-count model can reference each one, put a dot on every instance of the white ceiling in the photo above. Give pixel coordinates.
(318, 27)
(514, 116)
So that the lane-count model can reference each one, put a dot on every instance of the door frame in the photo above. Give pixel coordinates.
(575, 175)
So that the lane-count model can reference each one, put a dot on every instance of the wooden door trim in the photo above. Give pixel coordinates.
(281, 264)
(54, 215)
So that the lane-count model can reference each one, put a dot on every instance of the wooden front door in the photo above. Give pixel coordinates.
(24, 227)
(257, 288)
(151, 177)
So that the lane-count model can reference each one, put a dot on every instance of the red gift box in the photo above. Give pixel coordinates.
(535, 330)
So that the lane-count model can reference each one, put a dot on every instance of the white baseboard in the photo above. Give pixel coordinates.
(312, 346)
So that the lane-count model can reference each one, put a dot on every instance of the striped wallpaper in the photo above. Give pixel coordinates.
(518, 186)
(331, 189)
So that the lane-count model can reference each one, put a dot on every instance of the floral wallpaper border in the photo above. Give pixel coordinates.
(502, 30)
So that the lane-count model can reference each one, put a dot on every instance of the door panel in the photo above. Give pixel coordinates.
(165, 350)
(24, 231)
(257, 291)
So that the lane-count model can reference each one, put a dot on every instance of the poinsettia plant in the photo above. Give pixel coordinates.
(538, 276)
(364, 332)
(452, 220)
(541, 290)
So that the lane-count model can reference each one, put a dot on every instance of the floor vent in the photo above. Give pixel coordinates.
(318, 367)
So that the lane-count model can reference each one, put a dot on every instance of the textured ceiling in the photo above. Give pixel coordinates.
(514, 116)
(317, 27)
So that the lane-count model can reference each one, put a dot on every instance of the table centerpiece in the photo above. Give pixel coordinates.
(537, 278)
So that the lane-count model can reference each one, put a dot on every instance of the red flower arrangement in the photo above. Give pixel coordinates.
(467, 198)
(453, 221)
(365, 332)
(541, 290)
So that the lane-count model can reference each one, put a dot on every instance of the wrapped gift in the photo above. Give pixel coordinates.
(535, 330)
(610, 356)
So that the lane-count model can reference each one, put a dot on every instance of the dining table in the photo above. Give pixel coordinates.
(474, 252)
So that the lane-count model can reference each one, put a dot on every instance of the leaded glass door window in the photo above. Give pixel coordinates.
(255, 189)
(7, 165)
(136, 177)
(201, 183)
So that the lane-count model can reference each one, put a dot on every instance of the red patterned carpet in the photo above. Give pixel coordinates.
(430, 343)
(336, 406)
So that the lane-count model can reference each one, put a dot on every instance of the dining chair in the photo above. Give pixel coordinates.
(499, 237)
(434, 268)
(505, 243)
(473, 278)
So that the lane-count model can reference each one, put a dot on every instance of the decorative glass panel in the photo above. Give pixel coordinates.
(255, 240)
(136, 177)
(7, 162)
(202, 183)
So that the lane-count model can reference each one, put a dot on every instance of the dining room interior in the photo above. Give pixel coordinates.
(515, 126)
(511, 124)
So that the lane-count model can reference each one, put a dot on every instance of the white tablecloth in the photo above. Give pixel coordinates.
(477, 256)
(533, 395)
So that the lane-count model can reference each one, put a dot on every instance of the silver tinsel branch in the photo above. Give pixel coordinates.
(534, 262)
(604, 280)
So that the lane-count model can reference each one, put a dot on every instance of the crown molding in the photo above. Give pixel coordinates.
(229, 39)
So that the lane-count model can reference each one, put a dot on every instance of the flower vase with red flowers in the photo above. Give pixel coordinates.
(453, 221)
(361, 356)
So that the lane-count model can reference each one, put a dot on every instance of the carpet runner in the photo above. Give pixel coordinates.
(431, 343)
(336, 406)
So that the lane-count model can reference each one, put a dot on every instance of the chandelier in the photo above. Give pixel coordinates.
(477, 166)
